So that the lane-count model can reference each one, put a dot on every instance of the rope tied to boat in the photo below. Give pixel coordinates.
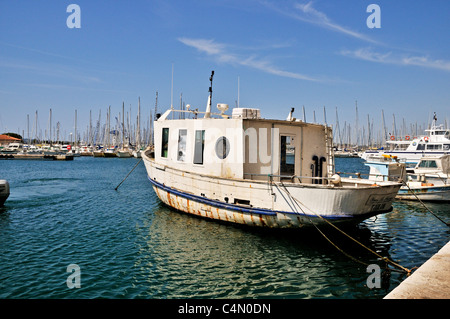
(385, 259)
(128, 174)
(429, 210)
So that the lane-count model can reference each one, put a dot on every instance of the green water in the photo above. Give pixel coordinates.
(128, 245)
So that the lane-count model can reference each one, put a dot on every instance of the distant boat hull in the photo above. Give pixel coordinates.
(123, 154)
(264, 204)
(109, 154)
(425, 193)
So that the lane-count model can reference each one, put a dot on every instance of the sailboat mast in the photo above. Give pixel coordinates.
(76, 139)
(138, 136)
(123, 124)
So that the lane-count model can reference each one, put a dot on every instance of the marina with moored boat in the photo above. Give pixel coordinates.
(244, 169)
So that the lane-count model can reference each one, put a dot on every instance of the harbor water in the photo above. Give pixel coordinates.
(125, 244)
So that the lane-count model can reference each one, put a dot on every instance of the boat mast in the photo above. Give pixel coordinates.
(384, 129)
(50, 127)
(138, 133)
(28, 128)
(76, 140)
(123, 125)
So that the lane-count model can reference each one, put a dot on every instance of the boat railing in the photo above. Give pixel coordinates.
(290, 177)
(322, 180)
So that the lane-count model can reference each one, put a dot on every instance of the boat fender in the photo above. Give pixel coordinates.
(335, 179)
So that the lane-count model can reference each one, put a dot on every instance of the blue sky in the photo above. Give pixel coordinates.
(285, 54)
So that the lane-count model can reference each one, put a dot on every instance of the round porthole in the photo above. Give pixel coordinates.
(222, 147)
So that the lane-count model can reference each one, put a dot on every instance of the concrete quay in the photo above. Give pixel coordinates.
(429, 281)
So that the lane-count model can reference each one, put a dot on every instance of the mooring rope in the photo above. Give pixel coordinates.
(387, 260)
(128, 174)
(429, 210)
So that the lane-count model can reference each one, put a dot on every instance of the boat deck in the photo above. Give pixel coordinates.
(430, 281)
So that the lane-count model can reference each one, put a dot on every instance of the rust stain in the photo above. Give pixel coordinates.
(169, 199)
(262, 220)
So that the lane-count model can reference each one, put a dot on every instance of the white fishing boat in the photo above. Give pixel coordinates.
(4, 191)
(411, 149)
(430, 180)
(236, 169)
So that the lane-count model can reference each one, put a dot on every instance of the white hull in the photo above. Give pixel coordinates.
(265, 204)
(403, 156)
(109, 154)
(425, 193)
(123, 154)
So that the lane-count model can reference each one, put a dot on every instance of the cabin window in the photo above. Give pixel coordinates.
(181, 145)
(222, 147)
(428, 164)
(165, 142)
(199, 146)
(420, 147)
(287, 155)
(434, 147)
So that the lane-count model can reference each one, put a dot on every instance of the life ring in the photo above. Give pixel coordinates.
(426, 138)
(392, 138)
(407, 137)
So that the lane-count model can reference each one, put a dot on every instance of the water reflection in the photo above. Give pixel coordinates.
(182, 256)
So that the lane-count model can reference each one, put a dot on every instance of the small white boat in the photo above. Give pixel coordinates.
(4, 191)
(124, 153)
(237, 169)
(13, 148)
(430, 180)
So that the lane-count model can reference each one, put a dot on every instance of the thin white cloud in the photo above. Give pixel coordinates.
(220, 53)
(48, 69)
(368, 54)
(307, 13)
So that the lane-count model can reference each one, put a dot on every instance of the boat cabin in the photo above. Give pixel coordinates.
(244, 146)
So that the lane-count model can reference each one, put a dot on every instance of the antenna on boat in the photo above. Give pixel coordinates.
(208, 105)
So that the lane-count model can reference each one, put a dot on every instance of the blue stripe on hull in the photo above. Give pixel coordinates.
(261, 211)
